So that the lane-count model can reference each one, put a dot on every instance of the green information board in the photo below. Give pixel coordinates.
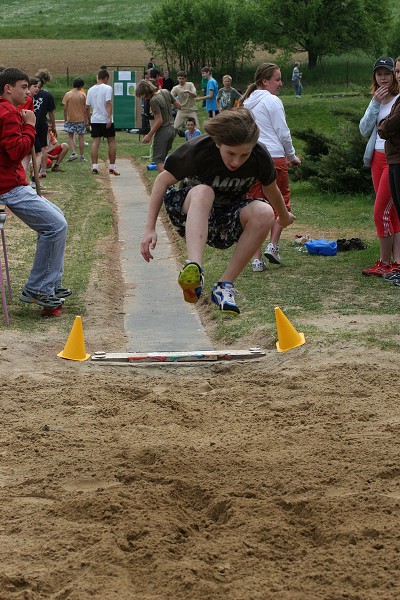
(126, 107)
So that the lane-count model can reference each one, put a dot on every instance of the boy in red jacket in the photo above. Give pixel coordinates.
(17, 135)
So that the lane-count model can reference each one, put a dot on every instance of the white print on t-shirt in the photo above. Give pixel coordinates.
(37, 103)
(232, 183)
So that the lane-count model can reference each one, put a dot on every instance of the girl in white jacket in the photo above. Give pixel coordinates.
(261, 98)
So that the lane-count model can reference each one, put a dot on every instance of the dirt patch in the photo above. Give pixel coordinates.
(84, 56)
(79, 56)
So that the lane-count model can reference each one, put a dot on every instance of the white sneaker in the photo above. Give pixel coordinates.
(272, 254)
(82, 159)
(72, 157)
(258, 266)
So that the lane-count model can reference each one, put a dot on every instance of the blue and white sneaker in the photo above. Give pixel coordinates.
(223, 296)
(272, 254)
(191, 280)
(40, 299)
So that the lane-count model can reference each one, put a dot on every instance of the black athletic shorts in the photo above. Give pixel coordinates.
(100, 130)
(224, 226)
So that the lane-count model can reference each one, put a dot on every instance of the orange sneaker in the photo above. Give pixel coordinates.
(379, 269)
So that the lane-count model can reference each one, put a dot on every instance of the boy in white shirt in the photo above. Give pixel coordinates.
(99, 99)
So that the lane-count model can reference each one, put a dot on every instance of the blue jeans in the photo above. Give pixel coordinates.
(49, 222)
(298, 88)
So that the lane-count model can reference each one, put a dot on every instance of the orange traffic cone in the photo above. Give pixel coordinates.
(74, 349)
(288, 337)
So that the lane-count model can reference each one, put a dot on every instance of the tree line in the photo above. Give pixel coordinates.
(225, 33)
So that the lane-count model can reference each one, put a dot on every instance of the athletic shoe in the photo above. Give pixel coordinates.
(395, 267)
(42, 175)
(82, 159)
(394, 272)
(40, 299)
(62, 292)
(114, 172)
(33, 185)
(191, 280)
(272, 254)
(73, 156)
(95, 171)
(396, 282)
(57, 169)
(222, 296)
(379, 269)
(258, 265)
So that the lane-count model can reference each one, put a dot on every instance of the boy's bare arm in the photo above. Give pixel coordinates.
(149, 240)
(109, 113)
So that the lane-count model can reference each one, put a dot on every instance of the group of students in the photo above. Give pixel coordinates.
(233, 182)
(381, 124)
(23, 131)
(182, 98)
(234, 189)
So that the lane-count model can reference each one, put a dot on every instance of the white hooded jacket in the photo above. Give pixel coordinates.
(269, 114)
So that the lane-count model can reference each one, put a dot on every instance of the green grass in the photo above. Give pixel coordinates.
(307, 288)
(74, 19)
(89, 215)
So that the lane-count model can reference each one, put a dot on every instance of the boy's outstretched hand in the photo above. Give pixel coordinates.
(149, 242)
(287, 220)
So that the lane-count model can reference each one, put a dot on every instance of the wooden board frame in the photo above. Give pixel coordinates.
(176, 356)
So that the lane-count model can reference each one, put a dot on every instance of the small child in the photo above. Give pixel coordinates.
(191, 130)
(55, 151)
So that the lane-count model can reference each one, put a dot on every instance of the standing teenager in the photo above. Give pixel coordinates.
(261, 98)
(385, 91)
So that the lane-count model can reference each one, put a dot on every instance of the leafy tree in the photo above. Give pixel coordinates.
(195, 33)
(393, 39)
(323, 27)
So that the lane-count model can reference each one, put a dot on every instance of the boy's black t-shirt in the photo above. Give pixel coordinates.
(43, 103)
(199, 161)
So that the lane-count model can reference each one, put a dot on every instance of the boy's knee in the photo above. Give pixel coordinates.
(259, 214)
(202, 192)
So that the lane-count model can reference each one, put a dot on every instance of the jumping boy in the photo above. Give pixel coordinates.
(210, 206)
(17, 135)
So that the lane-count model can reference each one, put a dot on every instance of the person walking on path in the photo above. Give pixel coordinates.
(261, 98)
(296, 80)
(210, 207)
(17, 135)
(99, 100)
(75, 118)
(385, 92)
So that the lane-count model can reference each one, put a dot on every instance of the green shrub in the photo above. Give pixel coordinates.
(334, 163)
